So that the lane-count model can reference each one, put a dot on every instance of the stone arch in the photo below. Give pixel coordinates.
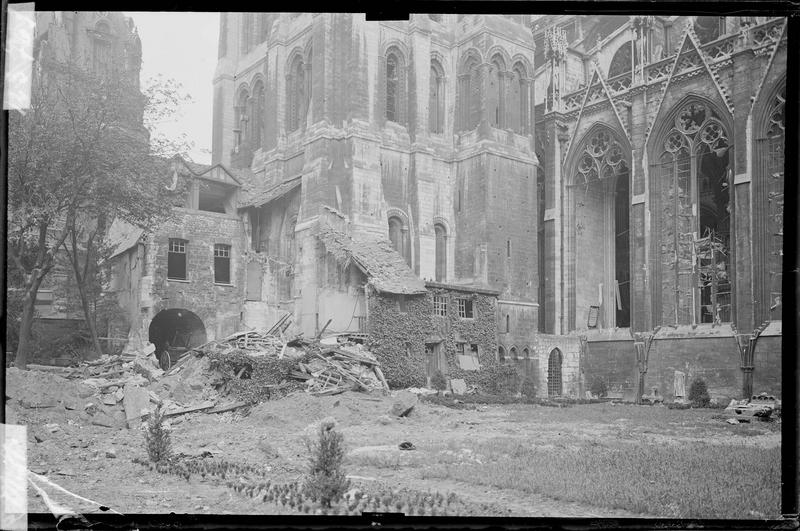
(499, 55)
(395, 82)
(176, 329)
(598, 204)
(436, 98)
(257, 108)
(519, 91)
(399, 234)
(501, 353)
(768, 196)
(621, 60)
(522, 62)
(296, 91)
(469, 56)
(442, 60)
(667, 114)
(513, 353)
(497, 86)
(241, 116)
(690, 160)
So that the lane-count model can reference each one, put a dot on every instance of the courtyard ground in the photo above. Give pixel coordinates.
(592, 460)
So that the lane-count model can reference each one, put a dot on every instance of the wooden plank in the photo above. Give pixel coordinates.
(228, 407)
(190, 409)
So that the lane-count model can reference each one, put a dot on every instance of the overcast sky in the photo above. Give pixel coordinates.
(183, 46)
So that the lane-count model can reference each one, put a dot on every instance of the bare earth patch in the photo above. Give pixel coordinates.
(519, 460)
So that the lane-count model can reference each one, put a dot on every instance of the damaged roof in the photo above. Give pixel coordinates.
(256, 195)
(387, 270)
(122, 236)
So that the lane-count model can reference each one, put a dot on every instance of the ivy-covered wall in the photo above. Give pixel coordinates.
(398, 337)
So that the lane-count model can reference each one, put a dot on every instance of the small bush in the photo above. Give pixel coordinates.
(499, 379)
(698, 393)
(438, 381)
(598, 387)
(156, 437)
(326, 481)
(528, 388)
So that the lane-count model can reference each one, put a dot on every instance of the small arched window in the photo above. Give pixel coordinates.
(436, 111)
(297, 96)
(241, 127)
(398, 235)
(501, 354)
(508, 323)
(622, 62)
(520, 99)
(469, 95)
(496, 96)
(395, 87)
(257, 116)
(514, 355)
(441, 252)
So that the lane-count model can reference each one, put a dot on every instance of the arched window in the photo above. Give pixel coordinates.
(441, 252)
(241, 126)
(395, 87)
(257, 116)
(508, 324)
(469, 95)
(622, 63)
(101, 49)
(436, 102)
(398, 235)
(514, 356)
(297, 97)
(517, 115)
(709, 29)
(496, 96)
(768, 198)
(692, 210)
(554, 373)
(601, 217)
(526, 353)
(501, 354)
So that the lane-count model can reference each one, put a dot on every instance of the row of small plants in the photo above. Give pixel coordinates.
(325, 489)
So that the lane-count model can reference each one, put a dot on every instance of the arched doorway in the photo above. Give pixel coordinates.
(175, 330)
(554, 373)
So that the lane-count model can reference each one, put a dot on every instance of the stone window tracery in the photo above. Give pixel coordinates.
(395, 87)
(694, 218)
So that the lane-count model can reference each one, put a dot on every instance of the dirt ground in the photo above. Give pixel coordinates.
(96, 462)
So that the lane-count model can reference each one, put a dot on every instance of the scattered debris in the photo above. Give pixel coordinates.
(761, 406)
(406, 446)
(404, 404)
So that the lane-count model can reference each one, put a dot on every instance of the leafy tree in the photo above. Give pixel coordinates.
(78, 158)
(438, 381)
(698, 393)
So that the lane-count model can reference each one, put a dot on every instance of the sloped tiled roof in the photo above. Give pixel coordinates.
(257, 194)
(122, 236)
(387, 270)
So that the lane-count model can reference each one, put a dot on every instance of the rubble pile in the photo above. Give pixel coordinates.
(218, 376)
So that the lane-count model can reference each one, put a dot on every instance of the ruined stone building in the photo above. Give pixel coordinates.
(582, 197)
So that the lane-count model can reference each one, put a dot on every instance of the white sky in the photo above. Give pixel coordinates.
(183, 47)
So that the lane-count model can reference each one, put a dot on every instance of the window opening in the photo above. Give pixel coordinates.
(441, 252)
(222, 263)
(465, 308)
(440, 305)
(176, 259)
(554, 373)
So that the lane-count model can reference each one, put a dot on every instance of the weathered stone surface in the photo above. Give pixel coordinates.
(458, 385)
(404, 402)
(136, 399)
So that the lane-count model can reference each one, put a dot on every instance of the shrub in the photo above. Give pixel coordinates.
(598, 387)
(528, 387)
(499, 379)
(326, 481)
(156, 437)
(698, 393)
(438, 381)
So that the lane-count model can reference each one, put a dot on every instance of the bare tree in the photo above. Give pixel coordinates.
(79, 158)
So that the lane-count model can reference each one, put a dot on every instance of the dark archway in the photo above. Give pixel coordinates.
(554, 373)
(176, 329)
